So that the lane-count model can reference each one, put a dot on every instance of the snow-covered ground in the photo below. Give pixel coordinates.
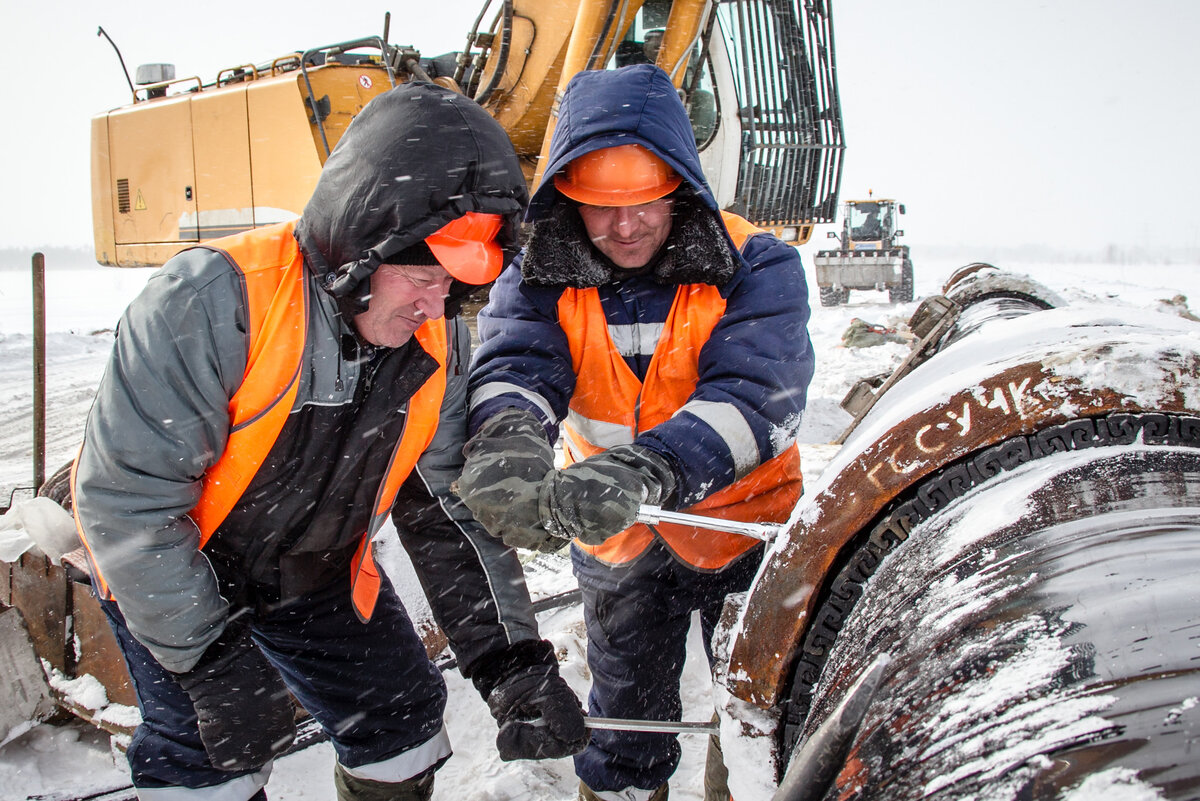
(84, 299)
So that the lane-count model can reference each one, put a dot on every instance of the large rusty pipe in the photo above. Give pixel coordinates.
(1058, 449)
(1040, 633)
(901, 442)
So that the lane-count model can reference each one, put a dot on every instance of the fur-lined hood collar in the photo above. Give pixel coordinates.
(559, 253)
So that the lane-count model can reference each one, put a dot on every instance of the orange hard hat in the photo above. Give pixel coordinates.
(467, 247)
(624, 175)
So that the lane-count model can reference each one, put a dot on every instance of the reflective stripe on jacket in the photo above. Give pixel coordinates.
(271, 266)
(610, 406)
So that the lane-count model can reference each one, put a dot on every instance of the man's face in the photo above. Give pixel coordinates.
(628, 235)
(402, 297)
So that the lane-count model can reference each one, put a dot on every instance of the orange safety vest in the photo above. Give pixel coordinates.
(272, 266)
(610, 397)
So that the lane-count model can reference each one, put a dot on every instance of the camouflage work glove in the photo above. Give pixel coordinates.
(506, 462)
(599, 497)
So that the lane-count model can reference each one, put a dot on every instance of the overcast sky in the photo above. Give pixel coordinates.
(1068, 123)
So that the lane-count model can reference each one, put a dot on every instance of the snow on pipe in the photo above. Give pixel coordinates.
(992, 511)
(1042, 631)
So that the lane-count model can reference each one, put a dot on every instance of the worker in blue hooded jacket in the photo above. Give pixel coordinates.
(666, 341)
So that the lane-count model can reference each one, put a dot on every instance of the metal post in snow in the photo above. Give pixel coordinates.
(39, 371)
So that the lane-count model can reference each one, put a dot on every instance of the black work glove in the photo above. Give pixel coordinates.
(506, 461)
(539, 715)
(599, 497)
(244, 711)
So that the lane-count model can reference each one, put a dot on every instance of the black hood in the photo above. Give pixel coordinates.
(415, 158)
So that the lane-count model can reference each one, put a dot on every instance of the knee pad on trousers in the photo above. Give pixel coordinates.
(628, 794)
(352, 788)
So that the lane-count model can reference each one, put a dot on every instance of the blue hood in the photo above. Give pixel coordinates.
(631, 105)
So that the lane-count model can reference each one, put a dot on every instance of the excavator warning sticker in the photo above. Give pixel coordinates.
(364, 81)
(140, 203)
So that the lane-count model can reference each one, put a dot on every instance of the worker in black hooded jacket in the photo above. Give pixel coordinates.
(271, 398)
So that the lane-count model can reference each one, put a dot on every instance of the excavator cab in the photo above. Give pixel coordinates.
(642, 45)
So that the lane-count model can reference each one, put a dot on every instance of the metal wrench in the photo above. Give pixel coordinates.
(759, 531)
(666, 726)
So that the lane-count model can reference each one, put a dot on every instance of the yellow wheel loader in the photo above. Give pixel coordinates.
(867, 256)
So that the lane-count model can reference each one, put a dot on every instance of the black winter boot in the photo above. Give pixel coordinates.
(352, 788)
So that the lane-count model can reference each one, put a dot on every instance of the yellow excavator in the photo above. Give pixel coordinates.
(187, 160)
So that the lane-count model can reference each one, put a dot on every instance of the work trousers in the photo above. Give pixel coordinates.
(369, 685)
(637, 617)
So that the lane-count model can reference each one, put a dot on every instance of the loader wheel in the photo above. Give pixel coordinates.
(832, 296)
(904, 292)
(861, 558)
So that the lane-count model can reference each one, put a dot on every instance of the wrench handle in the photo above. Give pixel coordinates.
(664, 726)
(760, 531)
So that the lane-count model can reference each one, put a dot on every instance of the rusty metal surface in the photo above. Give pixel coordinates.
(66, 626)
(39, 591)
(1020, 399)
(980, 280)
(930, 322)
(99, 655)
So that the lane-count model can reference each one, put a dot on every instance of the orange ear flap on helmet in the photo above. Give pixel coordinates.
(624, 175)
(466, 247)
